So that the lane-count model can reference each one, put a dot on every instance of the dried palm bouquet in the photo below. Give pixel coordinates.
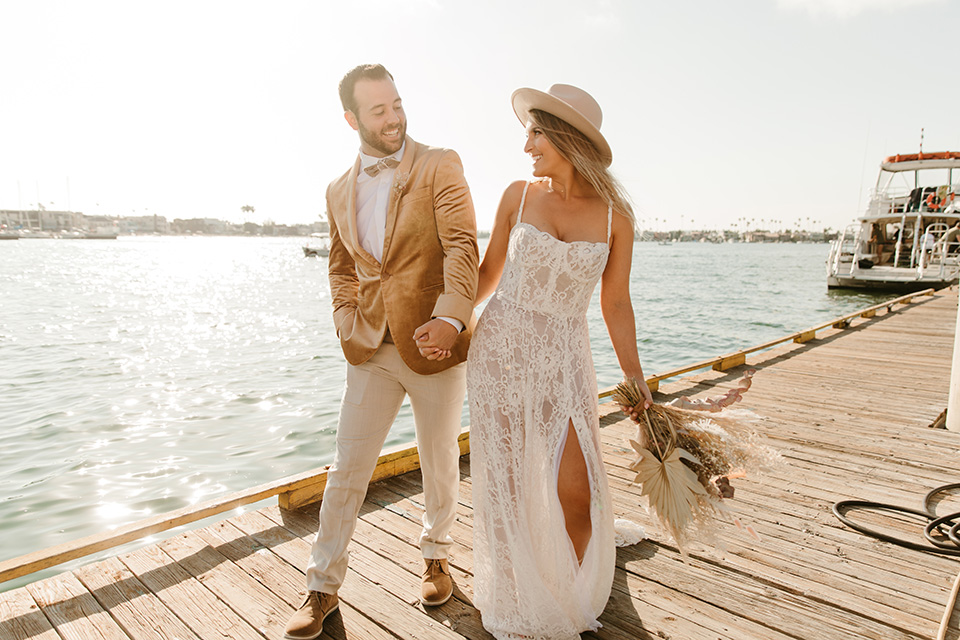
(687, 451)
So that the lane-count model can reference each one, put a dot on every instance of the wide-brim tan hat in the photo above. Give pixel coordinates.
(572, 105)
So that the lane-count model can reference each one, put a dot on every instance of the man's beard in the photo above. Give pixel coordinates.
(377, 142)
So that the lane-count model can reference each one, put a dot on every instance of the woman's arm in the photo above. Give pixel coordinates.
(617, 307)
(491, 268)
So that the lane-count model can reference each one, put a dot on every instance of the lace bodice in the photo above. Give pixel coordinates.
(550, 276)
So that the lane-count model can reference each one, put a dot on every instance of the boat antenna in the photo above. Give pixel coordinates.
(921, 139)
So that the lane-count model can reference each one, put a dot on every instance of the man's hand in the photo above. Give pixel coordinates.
(435, 339)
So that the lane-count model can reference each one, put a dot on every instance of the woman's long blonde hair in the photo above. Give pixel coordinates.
(577, 149)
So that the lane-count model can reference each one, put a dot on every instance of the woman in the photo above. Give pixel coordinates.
(544, 541)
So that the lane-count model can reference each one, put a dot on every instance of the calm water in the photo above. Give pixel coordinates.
(141, 375)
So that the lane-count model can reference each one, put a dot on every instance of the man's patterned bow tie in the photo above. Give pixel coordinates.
(383, 163)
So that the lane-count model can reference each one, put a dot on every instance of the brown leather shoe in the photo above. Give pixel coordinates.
(307, 622)
(437, 586)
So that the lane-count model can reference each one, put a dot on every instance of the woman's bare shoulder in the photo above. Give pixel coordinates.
(510, 200)
(623, 226)
(514, 191)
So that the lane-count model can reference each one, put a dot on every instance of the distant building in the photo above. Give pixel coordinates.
(145, 224)
(56, 222)
(210, 226)
(43, 220)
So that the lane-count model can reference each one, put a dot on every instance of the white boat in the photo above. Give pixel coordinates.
(315, 252)
(909, 237)
(99, 234)
(319, 247)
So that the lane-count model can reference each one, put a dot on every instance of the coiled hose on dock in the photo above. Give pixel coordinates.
(947, 542)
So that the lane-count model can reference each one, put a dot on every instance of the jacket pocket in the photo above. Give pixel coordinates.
(414, 196)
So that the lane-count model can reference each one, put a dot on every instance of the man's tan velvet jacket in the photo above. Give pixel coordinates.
(430, 259)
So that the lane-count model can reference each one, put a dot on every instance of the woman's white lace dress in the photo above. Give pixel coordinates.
(529, 374)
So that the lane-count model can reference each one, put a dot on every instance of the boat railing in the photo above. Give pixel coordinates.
(306, 488)
(933, 236)
(885, 203)
(842, 248)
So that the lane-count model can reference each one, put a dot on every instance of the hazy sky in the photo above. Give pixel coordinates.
(715, 110)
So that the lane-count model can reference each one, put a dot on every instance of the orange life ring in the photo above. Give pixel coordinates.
(934, 205)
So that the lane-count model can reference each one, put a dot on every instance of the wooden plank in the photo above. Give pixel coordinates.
(71, 609)
(205, 614)
(285, 547)
(261, 608)
(754, 600)
(404, 520)
(130, 603)
(799, 560)
(404, 617)
(403, 523)
(21, 618)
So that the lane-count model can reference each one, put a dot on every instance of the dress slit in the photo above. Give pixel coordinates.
(561, 449)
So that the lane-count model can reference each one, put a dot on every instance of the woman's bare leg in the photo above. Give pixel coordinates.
(573, 487)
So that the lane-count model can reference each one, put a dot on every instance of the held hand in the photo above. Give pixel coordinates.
(635, 411)
(432, 353)
(647, 396)
(435, 339)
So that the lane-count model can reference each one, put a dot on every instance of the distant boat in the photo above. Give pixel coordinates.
(319, 248)
(314, 252)
(8, 235)
(99, 234)
(909, 237)
(36, 233)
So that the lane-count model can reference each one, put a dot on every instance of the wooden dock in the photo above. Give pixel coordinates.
(850, 410)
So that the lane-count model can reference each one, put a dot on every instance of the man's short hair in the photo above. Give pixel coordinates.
(349, 81)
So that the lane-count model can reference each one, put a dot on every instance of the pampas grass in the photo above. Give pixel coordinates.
(683, 451)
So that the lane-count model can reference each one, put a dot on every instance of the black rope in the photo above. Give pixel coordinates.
(946, 526)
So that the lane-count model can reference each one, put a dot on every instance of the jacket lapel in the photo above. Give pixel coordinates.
(400, 179)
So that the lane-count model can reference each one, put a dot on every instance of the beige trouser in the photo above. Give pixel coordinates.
(371, 400)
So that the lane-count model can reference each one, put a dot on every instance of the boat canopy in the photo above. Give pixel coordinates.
(917, 161)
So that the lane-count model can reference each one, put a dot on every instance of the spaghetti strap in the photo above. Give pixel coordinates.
(523, 199)
(609, 221)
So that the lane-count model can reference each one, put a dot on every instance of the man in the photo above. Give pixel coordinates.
(403, 277)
